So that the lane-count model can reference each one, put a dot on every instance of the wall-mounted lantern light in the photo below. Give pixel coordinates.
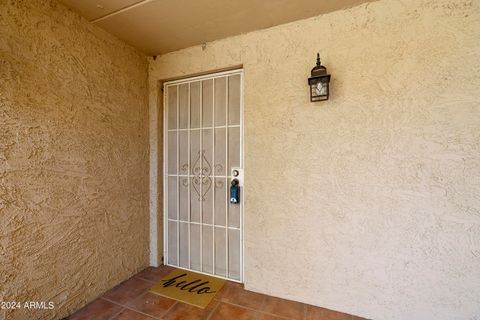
(319, 82)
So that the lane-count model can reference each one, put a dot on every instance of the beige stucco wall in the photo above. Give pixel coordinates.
(73, 159)
(368, 203)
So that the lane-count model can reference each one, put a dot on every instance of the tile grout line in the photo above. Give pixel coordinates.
(262, 305)
(263, 302)
(116, 314)
(131, 309)
(145, 280)
(140, 296)
(252, 309)
(213, 311)
(150, 281)
(169, 309)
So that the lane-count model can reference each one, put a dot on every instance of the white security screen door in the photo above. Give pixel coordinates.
(203, 142)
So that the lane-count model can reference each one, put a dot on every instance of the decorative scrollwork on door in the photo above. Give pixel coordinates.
(201, 165)
(218, 184)
(218, 168)
(201, 171)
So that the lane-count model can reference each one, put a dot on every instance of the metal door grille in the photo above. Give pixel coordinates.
(202, 143)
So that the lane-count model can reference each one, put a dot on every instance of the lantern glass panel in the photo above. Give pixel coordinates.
(319, 89)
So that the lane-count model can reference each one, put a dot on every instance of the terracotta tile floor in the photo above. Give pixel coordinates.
(131, 300)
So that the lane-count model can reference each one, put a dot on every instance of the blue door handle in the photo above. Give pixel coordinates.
(234, 192)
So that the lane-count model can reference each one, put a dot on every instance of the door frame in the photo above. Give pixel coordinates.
(212, 75)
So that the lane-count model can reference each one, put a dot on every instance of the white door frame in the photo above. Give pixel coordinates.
(164, 215)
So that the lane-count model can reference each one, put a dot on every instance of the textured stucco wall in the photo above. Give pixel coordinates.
(368, 203)
(73, 158)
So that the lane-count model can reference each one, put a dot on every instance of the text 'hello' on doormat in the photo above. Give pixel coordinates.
(188, 287)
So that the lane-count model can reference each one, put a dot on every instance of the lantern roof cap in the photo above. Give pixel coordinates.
(319, 70)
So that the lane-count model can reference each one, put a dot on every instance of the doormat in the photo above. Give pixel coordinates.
(189, 287)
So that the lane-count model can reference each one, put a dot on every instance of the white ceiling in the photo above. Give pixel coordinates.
(160, 26)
